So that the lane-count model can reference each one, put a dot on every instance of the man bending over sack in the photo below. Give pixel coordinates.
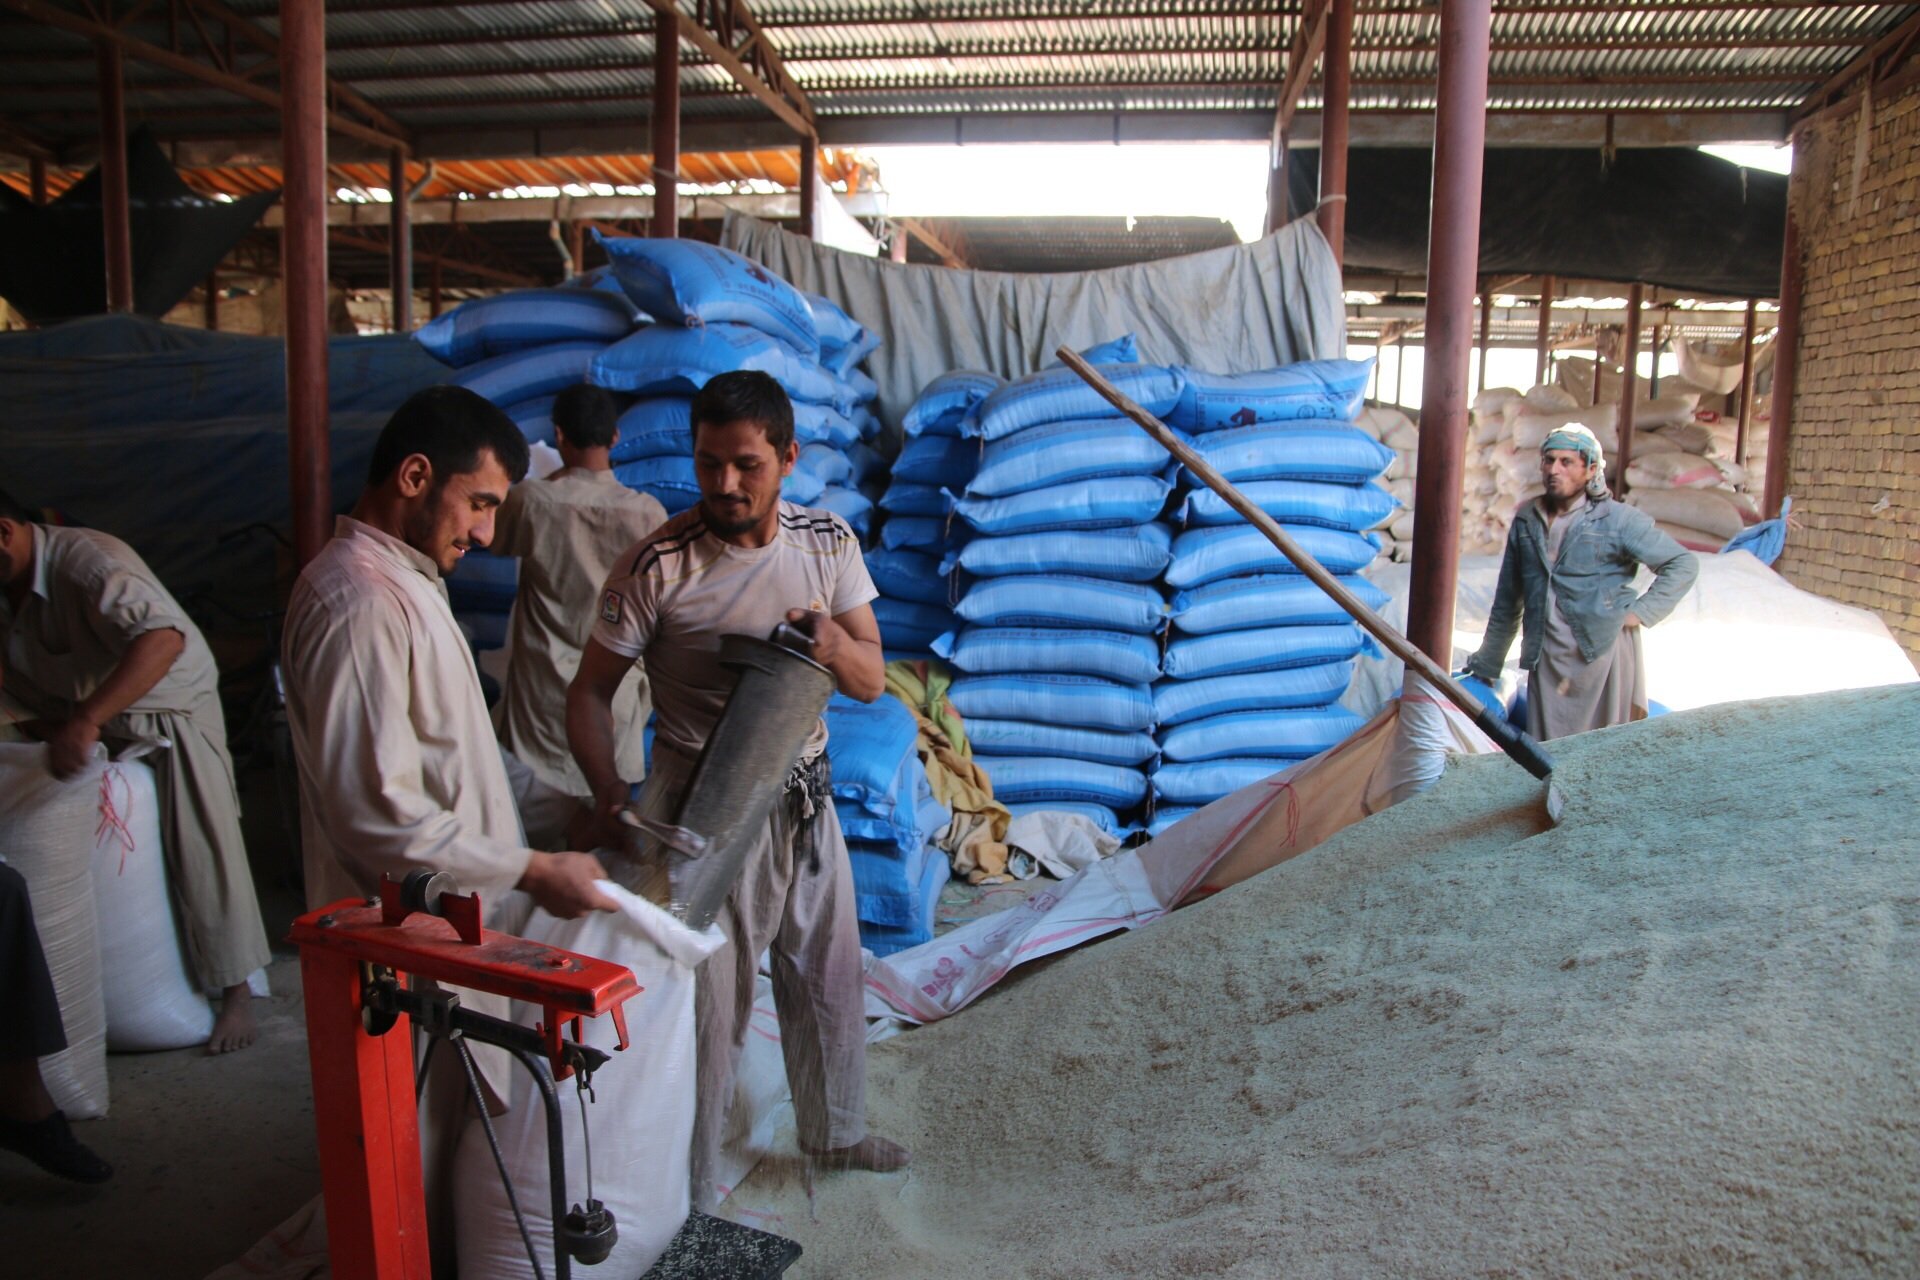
(567, 531)
(743, 561)
(100, 652)
(399, 769)
(1571, 557)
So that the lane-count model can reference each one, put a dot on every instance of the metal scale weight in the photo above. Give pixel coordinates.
(356, 958)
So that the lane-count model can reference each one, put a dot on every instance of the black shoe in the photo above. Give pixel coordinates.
(50, 1144)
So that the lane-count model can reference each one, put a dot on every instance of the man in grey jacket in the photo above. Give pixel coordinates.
(1567, 581)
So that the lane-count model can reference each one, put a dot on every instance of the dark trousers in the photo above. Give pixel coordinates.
(29, 1012)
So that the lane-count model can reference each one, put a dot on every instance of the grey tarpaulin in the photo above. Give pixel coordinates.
(1250, 306)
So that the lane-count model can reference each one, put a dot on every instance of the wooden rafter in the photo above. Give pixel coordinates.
(1881, 60)
(447, 261)
(729, 35)
(935, 241)
(1309, 38)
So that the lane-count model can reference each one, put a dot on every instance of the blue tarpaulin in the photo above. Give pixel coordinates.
(170, 437)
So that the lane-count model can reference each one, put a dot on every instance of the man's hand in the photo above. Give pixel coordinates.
(597, 826)
(70, 745)
(1630, 622)
(830, 639)
(562, 884)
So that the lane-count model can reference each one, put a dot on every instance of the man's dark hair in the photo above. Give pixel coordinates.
(746, 395)
(585, 416)
(452, 427)
(11, 509)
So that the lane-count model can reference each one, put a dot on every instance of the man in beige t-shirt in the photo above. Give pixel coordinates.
(102, 653)
(743, 561)
(567, 531)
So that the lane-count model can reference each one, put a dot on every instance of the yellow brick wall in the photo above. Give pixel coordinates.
(1854, 467)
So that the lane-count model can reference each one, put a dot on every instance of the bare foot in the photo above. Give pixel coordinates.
(872, 1153)
(234, 1028)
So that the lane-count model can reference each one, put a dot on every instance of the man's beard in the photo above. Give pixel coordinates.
(730, 525)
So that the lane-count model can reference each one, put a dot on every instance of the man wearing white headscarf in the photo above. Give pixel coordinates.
(1567, 582)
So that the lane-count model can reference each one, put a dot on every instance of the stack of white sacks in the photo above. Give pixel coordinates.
(1258, 655)
(1059, 635)
(1680, 473)
(1397, 431)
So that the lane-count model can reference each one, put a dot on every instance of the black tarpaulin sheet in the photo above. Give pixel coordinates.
(55, 266)
(1670, 216)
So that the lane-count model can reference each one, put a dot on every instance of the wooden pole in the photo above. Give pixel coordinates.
(809, 182)
(1786, 354)
(1745, 391)
(400, 242)
(1542, 353)
(1629, 390)
(1486, 333)
(666, 126)
(1337, 80)
(303, 150)
(1453, 258)
(116, 218)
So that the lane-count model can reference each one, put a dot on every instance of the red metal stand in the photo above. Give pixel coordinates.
(363, 1072)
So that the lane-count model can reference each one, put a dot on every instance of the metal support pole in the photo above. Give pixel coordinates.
(1542, 353)
(116, 219)
(400, 242)
(1277, 182)
(303, 150)
(1745, 391)
(433, 289)
(1599, 358)
(37, 179)
(1337, 80)
(1629, 390)
(809, 181)
(897, 247)
(577, 246)
(210, 305)
(666, 125)
(1486, 334)
(1453, 258)
(1653, 376)
(1786, 354)
(1399, 371)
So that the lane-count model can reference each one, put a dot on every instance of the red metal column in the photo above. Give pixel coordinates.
(303, 151)
(400, 242)
(1629, 391)
(666, 125)
(1277, 182)
(1337, 79)
(37, 179)
(1746, 387)
(1786, 355)
(809, 181)
(433, 288)
(114, 214)
(1653, 363)
(577, 246)
(1453, 257)
(1486, 331)
(1543, 356)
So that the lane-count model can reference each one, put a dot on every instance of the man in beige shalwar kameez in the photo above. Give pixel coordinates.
(98, 650)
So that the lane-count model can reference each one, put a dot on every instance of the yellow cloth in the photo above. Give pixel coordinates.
(976, 839)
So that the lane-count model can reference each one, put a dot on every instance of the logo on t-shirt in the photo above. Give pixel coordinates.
(610, 607)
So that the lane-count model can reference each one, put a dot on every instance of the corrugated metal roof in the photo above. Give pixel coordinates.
(551, 62)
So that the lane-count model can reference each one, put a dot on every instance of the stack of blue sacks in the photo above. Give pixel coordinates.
(1257, 655)
(890, 817)
(716, 312)
(1058, 639)
(518, 350)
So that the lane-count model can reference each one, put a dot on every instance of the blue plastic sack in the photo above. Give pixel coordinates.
(1201, 782)
(1354, 507)
(826, 462)
(941, 461)
(534, 418)
(1027, 738)
(949, 398)
(1764, 541)
(483, 583)
(867, 743)
(1124, 349)
(1262, 649)
(1029, 779)
(1178, 701)
(1058, 600)
(867, 422)
(1114, 655)
(1086, 702)
(910, 575)
(657, 427)
(664, 360)
(886, 882)
(526, 375)
(1139, 554)
(524, 318)
(1167, 815)
(885, 940)
(1266, 600)
(1331, 452)
(687, 282)
(908, 624)
(669, 478)
(1295, 734)
(909, 828)
(1060, 395)
(1311, 389)
(866, 461)
(920, 533)
(802, 487)
(1112, 502)
(916, 500)
(858, 386)
(844, 341)
(850, 505)
(1098, 814)
(823, 424)
(1061, 452)
(1201, 556)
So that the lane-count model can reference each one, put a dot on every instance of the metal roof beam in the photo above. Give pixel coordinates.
(1885, 55)
(783, 205)
(727, 32)
(447, 262)
(76, 24)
